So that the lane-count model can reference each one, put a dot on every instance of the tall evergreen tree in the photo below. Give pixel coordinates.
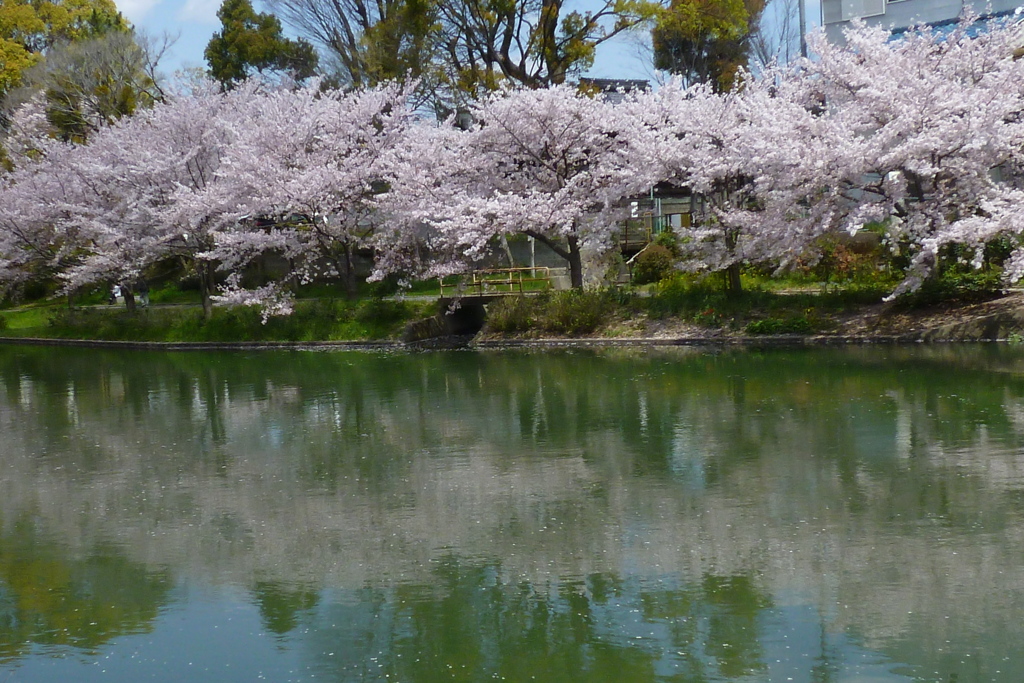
(706, 41)
(251, 41)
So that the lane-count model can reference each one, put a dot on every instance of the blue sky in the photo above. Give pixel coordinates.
(194, 21)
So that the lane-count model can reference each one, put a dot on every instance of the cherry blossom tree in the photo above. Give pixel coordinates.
(309, 168)
(198, 177)
(139, 184)
(551, 164)
(35, 200)
(26, 131)
(931, 128)
(750, 157)
(923, 134)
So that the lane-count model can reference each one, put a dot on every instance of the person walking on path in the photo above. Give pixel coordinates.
(142, 289)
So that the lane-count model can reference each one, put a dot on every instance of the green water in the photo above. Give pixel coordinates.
(824, 516)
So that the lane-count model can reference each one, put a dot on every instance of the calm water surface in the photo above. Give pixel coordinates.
(827, 516)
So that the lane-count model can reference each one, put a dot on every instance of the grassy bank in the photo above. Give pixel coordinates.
(318, 320)
(699, 303)
(687, 305)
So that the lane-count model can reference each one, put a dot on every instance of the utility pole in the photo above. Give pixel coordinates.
(802, 4)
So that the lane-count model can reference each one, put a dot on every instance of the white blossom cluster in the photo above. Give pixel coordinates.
(921, 135)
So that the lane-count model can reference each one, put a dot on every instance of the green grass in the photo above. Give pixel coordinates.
(488, 283)
(21, 320)
(693, 299)
(758, 309)
(702, 300)
(568, 313)
(956, 285)
(320, 320)
(173, 294)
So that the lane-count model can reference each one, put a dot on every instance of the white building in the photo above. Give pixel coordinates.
(836, 15)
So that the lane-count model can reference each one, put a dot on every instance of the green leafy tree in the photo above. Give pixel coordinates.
(88, 84)
(706, 41)
(253, 42)
(460, 48)
(402, 44)
(367, 42)
(536, 43)
(29, 28)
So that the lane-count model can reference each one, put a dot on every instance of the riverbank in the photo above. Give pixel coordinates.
(999, 319)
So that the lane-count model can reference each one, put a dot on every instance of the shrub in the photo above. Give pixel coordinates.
(102, 323)
(684, 294)
(575, 311)
(669, 240)
(956, 284)
(38, 289)
(709, 317)
(388, 286)
(572, 312)
(172, 293)
(796, 325)
(653, 264)
(512, 314)
(3, 324)
(843, 261)
(380, 311)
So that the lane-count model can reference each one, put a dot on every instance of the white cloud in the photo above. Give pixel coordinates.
(136, 10)
(199, 11)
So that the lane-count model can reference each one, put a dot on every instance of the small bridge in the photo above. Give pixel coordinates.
(486, 285)
(462, 305)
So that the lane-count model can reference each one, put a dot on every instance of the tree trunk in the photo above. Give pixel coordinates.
(575, 260)
(508, 252)
(571, 255)
(129, 298)
(934, 265)
(733, 284)
(350, 274)
(205, 272)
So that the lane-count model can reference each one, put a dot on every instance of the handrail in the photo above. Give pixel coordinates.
(636, 231)
(497, 281)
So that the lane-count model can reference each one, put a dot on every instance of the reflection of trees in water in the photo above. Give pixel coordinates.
(282, 605)
(47, 598)
(471, 623)
(882, 483)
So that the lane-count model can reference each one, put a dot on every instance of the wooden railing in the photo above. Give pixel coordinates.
(498, 282)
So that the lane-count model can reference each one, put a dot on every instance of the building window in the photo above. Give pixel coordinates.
(853, 9)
